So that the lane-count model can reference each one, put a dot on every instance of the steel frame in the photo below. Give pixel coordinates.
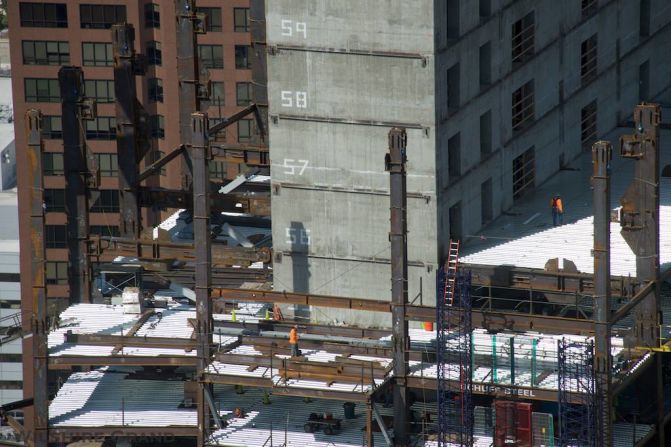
(577, 394)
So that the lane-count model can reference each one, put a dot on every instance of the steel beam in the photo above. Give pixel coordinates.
(71, 80)
(155, 167)
(130, 360)
(158, 434)
(122, 341)
(200, 156)
(39, 321)
(123, 44)
(395, 163)
(601, 158)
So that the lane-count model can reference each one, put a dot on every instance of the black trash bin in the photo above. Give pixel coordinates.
(349, 410)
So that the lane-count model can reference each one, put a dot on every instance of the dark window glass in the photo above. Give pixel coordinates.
(243, 93)
(107, 202)
(42, 90)
(454, 156)
(453, 88)
(152, 15)
(101, 90)
(56, 272)
(486, 133)
(101, 128)
(241, 20)
(105, 230)
(101, 16)
(217, 169)
(245, 130)
(486, 64)
(52, 163)
(52, 127)
(157, 126)
(97, 54)
(453, 19)
(523, 38)
(217, 97)
(242, 57)
(588, 116)
(154, 53)
(55, 236)
(44, 15)
(487, 202)
(211, 56)
(108, 165)
(212, 18)
(40, 52)
(523, 106)
(155, 89)
(54, 200)
(588, 7)
(588, 59)
(524, 172)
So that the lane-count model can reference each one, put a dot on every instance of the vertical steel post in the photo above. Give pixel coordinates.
(601, 157)
(71, 80)
(187, 73)
(370, 441)
(123, 39)
(200, 157)
(39, 324)
(395, 163)
(259, 62)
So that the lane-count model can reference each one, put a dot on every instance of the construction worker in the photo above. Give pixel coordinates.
(293, 341)
(557, 210)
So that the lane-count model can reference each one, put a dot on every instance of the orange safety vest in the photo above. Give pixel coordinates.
(556, 203)
(293, 336)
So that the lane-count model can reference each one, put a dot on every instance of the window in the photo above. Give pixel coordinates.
(155, 88)
(100, 90)
(588, 52)
(244, 131)
(523, 38)
(485, 8)
(105, 230)
(220, 136)
(44, 15)
(101, 128)
(152, 15)
(241, 20)
(101, 16)
(453, 19)
(157, 126)
(454, 156)
(217, 94)
(644, 18)
(523, 106)
(588, 7)
(218, 169)
(40, 52)
(56, 272)
(52, 128)
(453, 88)
(644, 81)
(486, 204)
(243, 93)
(155, 156)
(524, 172)
(97, 54)
(154, 53)
(588, 125)
(211, 56)
(242, 57)
(42, 90)
(107, 202)
(485, 134)
(212, 18)
(455, 221)
(54, 200)
(485, 64)
(55, 236)
(52, 163)
(108, 165)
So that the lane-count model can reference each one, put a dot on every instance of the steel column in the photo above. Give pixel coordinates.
(123, 39)
(39, 324)
(601, 157)
(395, 163)
(201, 234)
(71, 80)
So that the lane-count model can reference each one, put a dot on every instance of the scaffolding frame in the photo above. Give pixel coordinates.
(454, 347)
(577, 393)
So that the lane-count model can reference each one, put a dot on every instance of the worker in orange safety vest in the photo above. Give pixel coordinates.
(557, 210)
(293, 341)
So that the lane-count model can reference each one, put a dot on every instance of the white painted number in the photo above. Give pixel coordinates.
(298, 236)
(289, 27)
(291, 99)
(292, 165)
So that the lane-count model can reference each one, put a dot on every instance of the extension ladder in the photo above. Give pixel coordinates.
(451, 272)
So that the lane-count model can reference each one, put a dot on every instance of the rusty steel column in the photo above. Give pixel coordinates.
(71, 80)
(200, 156)
(602, 155)
(123, 39)
(259, 62)
(395, 163)
(39, 324)
(370, 441)
(639, 218)
(187, 74)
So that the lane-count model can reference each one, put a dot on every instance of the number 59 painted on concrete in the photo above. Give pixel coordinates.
(289, 27)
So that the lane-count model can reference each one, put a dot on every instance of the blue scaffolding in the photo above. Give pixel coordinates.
(454, 359)
(577, 393)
